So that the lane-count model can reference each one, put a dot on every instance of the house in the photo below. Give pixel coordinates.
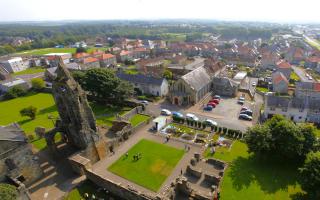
(13, 65)
(89, 63)
(191, 87)
(54, 58)
(78, 57)
(224, 86)
(6, 85)
(140, 53)
(146, 84)
(307, 89)
(297, 109)
(280, 83)
(107, 60)
(154, 67)
(285, 68)
(240, 77)
(17, 161)
(124, 55)
(312, 62)
(269, 60)
(4, 74)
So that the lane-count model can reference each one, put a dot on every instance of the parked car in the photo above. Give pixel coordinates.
(208, 108)
(212, 104)
(165, 112)
(192, 116)
(177, 114)
(145, 102)
(241, 102)
(245, 117)
(216, 101)
(247, 112)
(211, 122)
(244, 108)
(254, 84)
(216, 97)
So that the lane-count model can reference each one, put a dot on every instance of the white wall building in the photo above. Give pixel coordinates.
(14, 64)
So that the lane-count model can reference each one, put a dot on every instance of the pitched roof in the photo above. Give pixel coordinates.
(278, 77)
(278, 101)
(81, 55)
(89, 60)
(283, 65)
(197, 78)
(12, 132)
(140, 79)
(106, 56)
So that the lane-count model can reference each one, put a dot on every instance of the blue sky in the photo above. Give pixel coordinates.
(242, 10)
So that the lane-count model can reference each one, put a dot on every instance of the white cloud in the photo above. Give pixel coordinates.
(253, 10)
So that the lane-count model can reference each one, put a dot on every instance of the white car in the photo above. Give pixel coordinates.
(254, 84)
(166, 112)
(192, 116)
(145, 102)
(211, 122)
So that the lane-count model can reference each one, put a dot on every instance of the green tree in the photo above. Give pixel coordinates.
(37, 83)
(280, 137)
(310, 175)
(81, 50)
(8, 192)
(9, 49)
(167, 74)
(104, 85)
(78, 76)
(30, 111)
(14, 92)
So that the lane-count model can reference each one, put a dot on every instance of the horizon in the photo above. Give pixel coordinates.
(272, 11)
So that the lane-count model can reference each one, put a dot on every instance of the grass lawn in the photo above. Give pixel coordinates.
(105, 115)
(31, 70)
(131, 71)
(249, 178)
(137, 119)
(48, 50)
(41, 143)
(10, 111)
(157, 162)
(188, 130)
(262, 89)
(85, 187)
(294, 76)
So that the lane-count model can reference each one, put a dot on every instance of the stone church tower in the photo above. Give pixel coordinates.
(77, 121)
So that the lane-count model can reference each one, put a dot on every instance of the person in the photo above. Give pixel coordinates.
(181, 172)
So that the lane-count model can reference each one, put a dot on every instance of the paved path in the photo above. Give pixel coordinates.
(101, 166)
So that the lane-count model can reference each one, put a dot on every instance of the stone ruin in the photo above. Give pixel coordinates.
(77, 123)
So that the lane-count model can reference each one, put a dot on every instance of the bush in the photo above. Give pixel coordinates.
(8, 192)
(14, 92)
(30, 111)
(37, 83)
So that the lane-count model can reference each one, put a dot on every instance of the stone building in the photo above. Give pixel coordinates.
(77, 122)
(224, 86)
(17, 161)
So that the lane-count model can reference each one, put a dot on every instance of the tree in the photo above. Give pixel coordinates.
(37, 83)
(78, 76)
(280, 137)
(104, 85)
(8, 192)
(30, 111)
(81, 50)
(14, 92)
(310, 175)
(167, 74)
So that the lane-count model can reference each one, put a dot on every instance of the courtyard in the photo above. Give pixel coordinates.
(152, 168)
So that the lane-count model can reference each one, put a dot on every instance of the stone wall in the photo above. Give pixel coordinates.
(132, 112)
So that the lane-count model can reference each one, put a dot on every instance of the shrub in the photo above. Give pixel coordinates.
(14, 92)
(37, 83)
(29, 112)
(8, 192)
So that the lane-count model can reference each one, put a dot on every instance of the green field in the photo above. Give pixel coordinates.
(137, 119)
(31, 70)
(154, 166)
(10, 111)
(58, 50)
(262, 89)
(105, 115)
(85, 187)
(252, 179)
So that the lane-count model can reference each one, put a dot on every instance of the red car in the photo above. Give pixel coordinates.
(212, 104)
(216, 101)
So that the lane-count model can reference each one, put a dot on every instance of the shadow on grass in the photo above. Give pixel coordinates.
(271, 176)
(21, 122)
(46, 110)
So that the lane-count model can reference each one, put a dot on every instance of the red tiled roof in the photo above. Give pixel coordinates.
(90, 60)
(106, 56)
(140, 49)
(313, 59)
(279, 77)
(283, 64)
(316, 87)
(81, 55)
(124, 53)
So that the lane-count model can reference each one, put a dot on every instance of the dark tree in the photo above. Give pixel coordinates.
(8, 192)
(30, 111)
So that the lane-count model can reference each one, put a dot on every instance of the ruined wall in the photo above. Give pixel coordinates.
(25, 163)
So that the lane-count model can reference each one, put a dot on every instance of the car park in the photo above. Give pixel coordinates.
(211, 122)
(192, 116)
(245, 117)
(165, 112)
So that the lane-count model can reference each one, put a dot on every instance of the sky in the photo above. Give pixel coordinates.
(231, 10)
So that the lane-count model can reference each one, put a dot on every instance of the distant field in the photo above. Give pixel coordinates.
(57, 50)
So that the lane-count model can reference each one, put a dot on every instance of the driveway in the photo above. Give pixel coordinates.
(301, 73)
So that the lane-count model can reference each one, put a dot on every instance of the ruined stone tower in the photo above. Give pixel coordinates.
(77, 121)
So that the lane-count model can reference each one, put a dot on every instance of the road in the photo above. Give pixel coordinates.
(301, 73)
(28, 77)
